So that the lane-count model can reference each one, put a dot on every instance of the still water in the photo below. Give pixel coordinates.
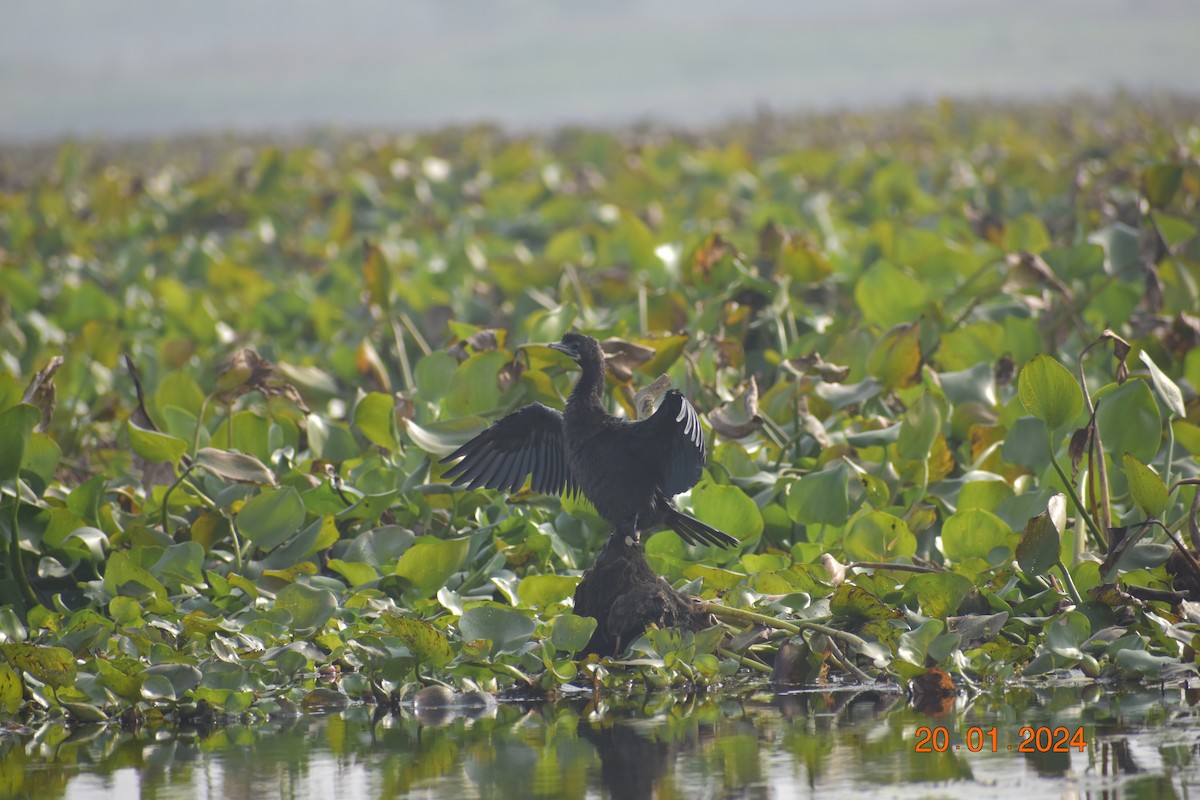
(754, 743)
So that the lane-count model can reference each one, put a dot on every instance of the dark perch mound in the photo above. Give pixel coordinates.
(626, 597)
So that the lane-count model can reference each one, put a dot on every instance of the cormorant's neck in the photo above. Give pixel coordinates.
(589, 389)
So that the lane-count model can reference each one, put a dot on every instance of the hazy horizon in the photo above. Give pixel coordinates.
(130, 68)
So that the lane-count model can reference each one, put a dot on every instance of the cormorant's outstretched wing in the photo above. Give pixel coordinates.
(672, 437)
(527, 441)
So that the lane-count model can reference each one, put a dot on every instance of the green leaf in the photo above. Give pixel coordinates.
(158, 687)
(1025, 444)
(125, 611)
(1146, 488)
(181, 565)
(84, 712)
(976, 534)
(232, 466)
(888, 295)
(506, 628)
(11, 689)
(714, 578)
(853, 602)
(1122, 246)
(1160, 182)
(571, 633)
(1065, 635)
(330, 439)
(896, 358)
(919, 428)
(550, 325)
(1026, 233)
(379, 546)
(1167, 389)
(1174, 231)
(356, 573)
(1188, 435)
(820, 497)
(11, 390)
(271, 517)
(1039, 548)
(474, 387)
(154, 446)
(985, 493)
(124, 577)
(427, 644)
(179, 388)
(878, 536)
(433, 374)
(940, 594)
(667, 349)
(1049, 392)
(85, 499)
(375, 416)
(1141, 662)
(309, 606)
(913, 646)
(443, 438)
(539, 591)
(727, 508)
(11, 626)
(181, 678)
(1129, 420)
(16, 426)
(628, 241)
(42, 455)
(51, 665)
(880, 437)
(430, 561)
(123, 685)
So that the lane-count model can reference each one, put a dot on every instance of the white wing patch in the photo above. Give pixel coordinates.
(691, 423)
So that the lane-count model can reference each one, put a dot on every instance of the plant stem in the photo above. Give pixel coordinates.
(898, 567)
(921, 490)
(727, 612)
(166, 526)
(200, 424)
(15, 567)
(741, 614)
(1170, 453)
(745, 662)
(1070, 584)
(237, 543)
(1099, 472)
(509, 669)
(1079, 509)
(846, 664)
(402, 355)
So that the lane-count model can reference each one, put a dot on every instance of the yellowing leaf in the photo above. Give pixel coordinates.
(1049, 392)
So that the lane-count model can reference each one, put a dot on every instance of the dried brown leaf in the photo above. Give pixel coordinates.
(813, 364)
(1079, 447)
(623, 357)
(739, 417)
(42, 393)
(646, 397)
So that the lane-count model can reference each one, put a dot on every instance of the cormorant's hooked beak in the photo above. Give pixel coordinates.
(565, 349)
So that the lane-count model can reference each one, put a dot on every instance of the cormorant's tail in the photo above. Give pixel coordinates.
(693, 531)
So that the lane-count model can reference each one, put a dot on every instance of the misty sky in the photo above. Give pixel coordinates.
(135, 67)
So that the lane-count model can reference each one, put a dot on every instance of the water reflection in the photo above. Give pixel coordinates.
(750, 744)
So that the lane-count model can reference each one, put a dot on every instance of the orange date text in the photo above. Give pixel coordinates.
(1040, 739)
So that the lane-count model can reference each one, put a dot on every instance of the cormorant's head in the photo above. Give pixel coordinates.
(580, 348)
